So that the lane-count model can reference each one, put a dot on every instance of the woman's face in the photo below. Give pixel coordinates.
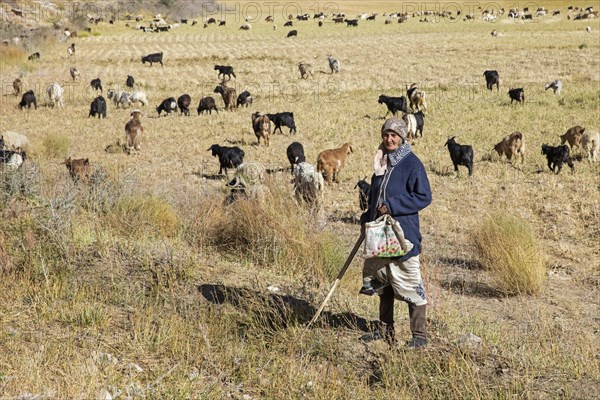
(391, 140)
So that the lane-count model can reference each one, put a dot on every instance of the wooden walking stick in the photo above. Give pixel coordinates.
(361, 238)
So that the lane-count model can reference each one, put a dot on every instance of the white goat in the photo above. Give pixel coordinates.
(55, 94)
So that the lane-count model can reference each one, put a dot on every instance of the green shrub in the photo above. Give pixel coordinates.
(507, 248)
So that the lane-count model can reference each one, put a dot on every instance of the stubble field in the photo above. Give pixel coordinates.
(103, 294)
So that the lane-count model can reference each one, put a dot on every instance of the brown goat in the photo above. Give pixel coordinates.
(512, 145)
(133, 132)
(228, 94)
(17, 86)
(330, 162)
(573, 136)
(262, 127)
(416, 98)
(78, 169)
(74, 73)
(305, 70)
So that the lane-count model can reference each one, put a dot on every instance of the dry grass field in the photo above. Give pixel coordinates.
(143, 285)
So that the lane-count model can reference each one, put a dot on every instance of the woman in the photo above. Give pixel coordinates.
(400, 188)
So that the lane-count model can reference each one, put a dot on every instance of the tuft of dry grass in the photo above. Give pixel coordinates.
(56, 145)
(144, 215)
(507, 247)
(11, 55)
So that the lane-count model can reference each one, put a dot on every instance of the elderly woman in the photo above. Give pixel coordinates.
(400, 188)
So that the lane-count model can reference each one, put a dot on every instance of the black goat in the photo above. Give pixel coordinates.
(460, 154)
(184, 102)
(364, 190)
(27, 100)
(283, 119)
(167, 105)
(517, 95)
(229, 157)
(292, 33)
(130, 81)
(96, 84)
(420, 117)
(98, 107)
(225, 70)
(244, 99)
(351, 22)
(492, 78)
(295, 154)
(288, 23)
(394, 104)
(34, 56)
(557, 156)
(207, 104)
(153, 58)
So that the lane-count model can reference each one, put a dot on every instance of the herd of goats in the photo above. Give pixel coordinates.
(308, 180)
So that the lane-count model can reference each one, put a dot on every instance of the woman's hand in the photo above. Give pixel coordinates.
(382, 210)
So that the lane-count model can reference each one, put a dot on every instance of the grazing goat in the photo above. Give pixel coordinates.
(96, 84)
(305, 70)
(394, 104)
(555, 85)
(517, 95)
(118, 97)
(308, 183)
(416, 97)
(183, 102)
(34, 56)
(225, 70)
(17, 86)
(292, 33)
(229, 157)
(330, 162)
(74, 73)
(98, 107)
(55, 94)
(12, 160)
(288, 23)
(295, 154)
(513, 144)
(420, 117)
(364, 190)
(591, 144)
(460, 154)
(133, 132)
(153, 58)
(244, 99)
(138, 96)
(78, 169)
(27, 100)
(557, 156)
(228, 95)
(492, 78)
(283, 119)
(71, 50)
(351, 22)
(130, 81)
(248, 183)
(334, 64)
(573, 136)
(168, 105)
(207, 104)
(10, 140)
(262, 127)
(246, 27)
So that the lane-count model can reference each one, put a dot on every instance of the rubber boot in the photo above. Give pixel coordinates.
(418, 325)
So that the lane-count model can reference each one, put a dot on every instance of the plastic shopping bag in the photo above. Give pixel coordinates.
(384, 238)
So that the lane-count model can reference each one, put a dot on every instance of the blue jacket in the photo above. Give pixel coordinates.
(406, 193)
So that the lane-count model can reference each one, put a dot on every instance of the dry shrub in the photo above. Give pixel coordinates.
(507, 248)
(11, 55)
(278, 234)
(144, 215)
(56, 146)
